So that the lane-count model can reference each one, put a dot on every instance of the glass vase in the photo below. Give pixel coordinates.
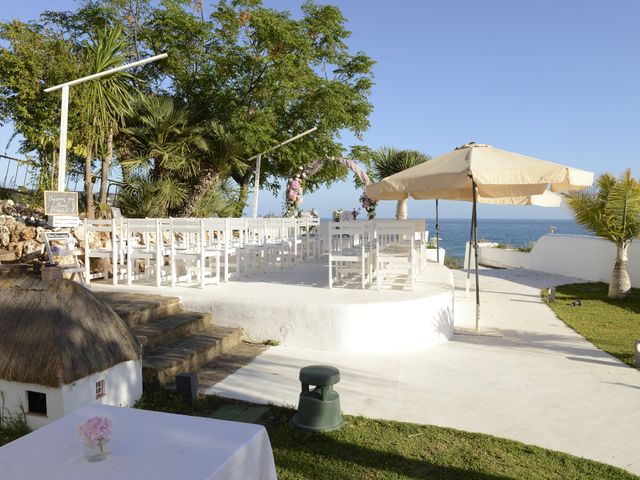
(97, 453)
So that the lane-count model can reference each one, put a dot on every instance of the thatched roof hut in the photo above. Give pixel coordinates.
(58, 333)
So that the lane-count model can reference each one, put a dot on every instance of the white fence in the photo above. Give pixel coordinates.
(581, 256)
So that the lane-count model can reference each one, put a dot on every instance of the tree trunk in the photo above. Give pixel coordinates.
(106, 164)
(401, 209)
(205, 181)
(242, 198)
(620, 285)
(88, 184)
(244, 182)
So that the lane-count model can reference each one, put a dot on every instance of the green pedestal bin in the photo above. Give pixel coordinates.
(318, 408)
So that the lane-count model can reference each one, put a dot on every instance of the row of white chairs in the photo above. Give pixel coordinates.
(200, 250)
(380, 251)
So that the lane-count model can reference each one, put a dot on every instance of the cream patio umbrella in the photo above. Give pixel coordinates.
(480, 173)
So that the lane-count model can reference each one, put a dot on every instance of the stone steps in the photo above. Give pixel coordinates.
(136, 309)
(166, 328)
(173, 340)
(189, 353)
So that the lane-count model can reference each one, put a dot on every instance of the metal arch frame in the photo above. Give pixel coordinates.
(64, 109)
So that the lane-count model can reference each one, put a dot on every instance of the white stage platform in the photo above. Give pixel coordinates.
(296, 308)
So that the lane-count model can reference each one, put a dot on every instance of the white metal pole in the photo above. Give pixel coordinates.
(62, 157)
(107, 72)
(256, 187)
(64, 114)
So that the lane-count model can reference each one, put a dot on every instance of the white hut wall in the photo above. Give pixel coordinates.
(122, 387)
(13, 395)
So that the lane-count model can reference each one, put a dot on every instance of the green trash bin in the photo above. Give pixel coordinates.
(318, 408)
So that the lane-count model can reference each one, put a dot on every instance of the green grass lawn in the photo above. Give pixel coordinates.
(377, 449)
(611, 325)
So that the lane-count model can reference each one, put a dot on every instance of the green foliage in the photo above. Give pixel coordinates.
(388, 161)
(453, 263)
(611, 209)
(243, 80)
(13, 425)
(611, 325)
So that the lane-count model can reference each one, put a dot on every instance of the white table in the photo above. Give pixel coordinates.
(144, 445)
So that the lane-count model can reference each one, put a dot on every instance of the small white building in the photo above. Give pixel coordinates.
(60, 349)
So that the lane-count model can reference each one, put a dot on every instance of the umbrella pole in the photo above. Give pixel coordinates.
(437, 234)
(473, 212)
(475, 247)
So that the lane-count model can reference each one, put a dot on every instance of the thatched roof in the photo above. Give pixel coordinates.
(58, 333)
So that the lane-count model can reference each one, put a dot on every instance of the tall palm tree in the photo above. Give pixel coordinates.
(107, 101)
(612, 210)
(388, 161)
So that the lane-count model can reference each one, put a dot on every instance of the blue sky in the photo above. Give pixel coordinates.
(554, 79)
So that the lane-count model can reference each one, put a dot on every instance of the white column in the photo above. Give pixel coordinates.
(62, 158)
(256, 187)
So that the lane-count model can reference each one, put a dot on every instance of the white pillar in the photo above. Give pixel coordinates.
(256, 187)
(62, 158)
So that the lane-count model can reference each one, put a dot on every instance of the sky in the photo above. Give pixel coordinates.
(553, 79)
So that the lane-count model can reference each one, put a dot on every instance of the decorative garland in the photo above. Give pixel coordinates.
(294, 199)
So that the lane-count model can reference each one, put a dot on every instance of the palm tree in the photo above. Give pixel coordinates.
(222, 157)
(160, 150)
(612, 210)
(388, 161)
(107, 100)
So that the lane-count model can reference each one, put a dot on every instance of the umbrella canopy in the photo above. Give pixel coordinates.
(482, 174)
(497, 174)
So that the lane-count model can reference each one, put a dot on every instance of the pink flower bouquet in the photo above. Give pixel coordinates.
(96, 434)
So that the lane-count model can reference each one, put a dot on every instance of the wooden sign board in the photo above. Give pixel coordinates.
(61, 203)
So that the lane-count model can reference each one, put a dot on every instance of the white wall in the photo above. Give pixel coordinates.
(15, 395)
(123, 386)
(580, 256)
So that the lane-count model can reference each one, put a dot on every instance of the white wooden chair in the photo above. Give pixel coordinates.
(145, 243)
(189, 247)
(221, 236)
(350, 251)
(396, 252)
(62, 245)
(108, 253)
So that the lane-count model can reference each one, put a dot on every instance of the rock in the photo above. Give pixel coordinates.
(28, 233)
(5, 236)
(9, 202)
(31, 250)
(40, 234)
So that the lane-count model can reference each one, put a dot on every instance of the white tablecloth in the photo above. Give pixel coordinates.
(144, 445)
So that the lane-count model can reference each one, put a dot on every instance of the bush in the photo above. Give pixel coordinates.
(13, 425)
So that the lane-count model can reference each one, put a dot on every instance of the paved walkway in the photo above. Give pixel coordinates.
(528, 377)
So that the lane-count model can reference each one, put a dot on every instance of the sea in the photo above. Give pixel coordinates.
(454, 233)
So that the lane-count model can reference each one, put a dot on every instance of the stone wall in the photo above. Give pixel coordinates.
(22, 234)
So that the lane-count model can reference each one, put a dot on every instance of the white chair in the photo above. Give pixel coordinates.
(396, 252)
(189, 248)
(145, 243)
(221, 236)
(350, 251)
(108, 253)
(61, 245)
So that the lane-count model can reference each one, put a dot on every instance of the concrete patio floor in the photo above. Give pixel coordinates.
(526, 377)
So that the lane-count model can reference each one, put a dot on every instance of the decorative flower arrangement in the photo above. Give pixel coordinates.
(369, 205)
(96, 434)
(337, 214)
(294, 198)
